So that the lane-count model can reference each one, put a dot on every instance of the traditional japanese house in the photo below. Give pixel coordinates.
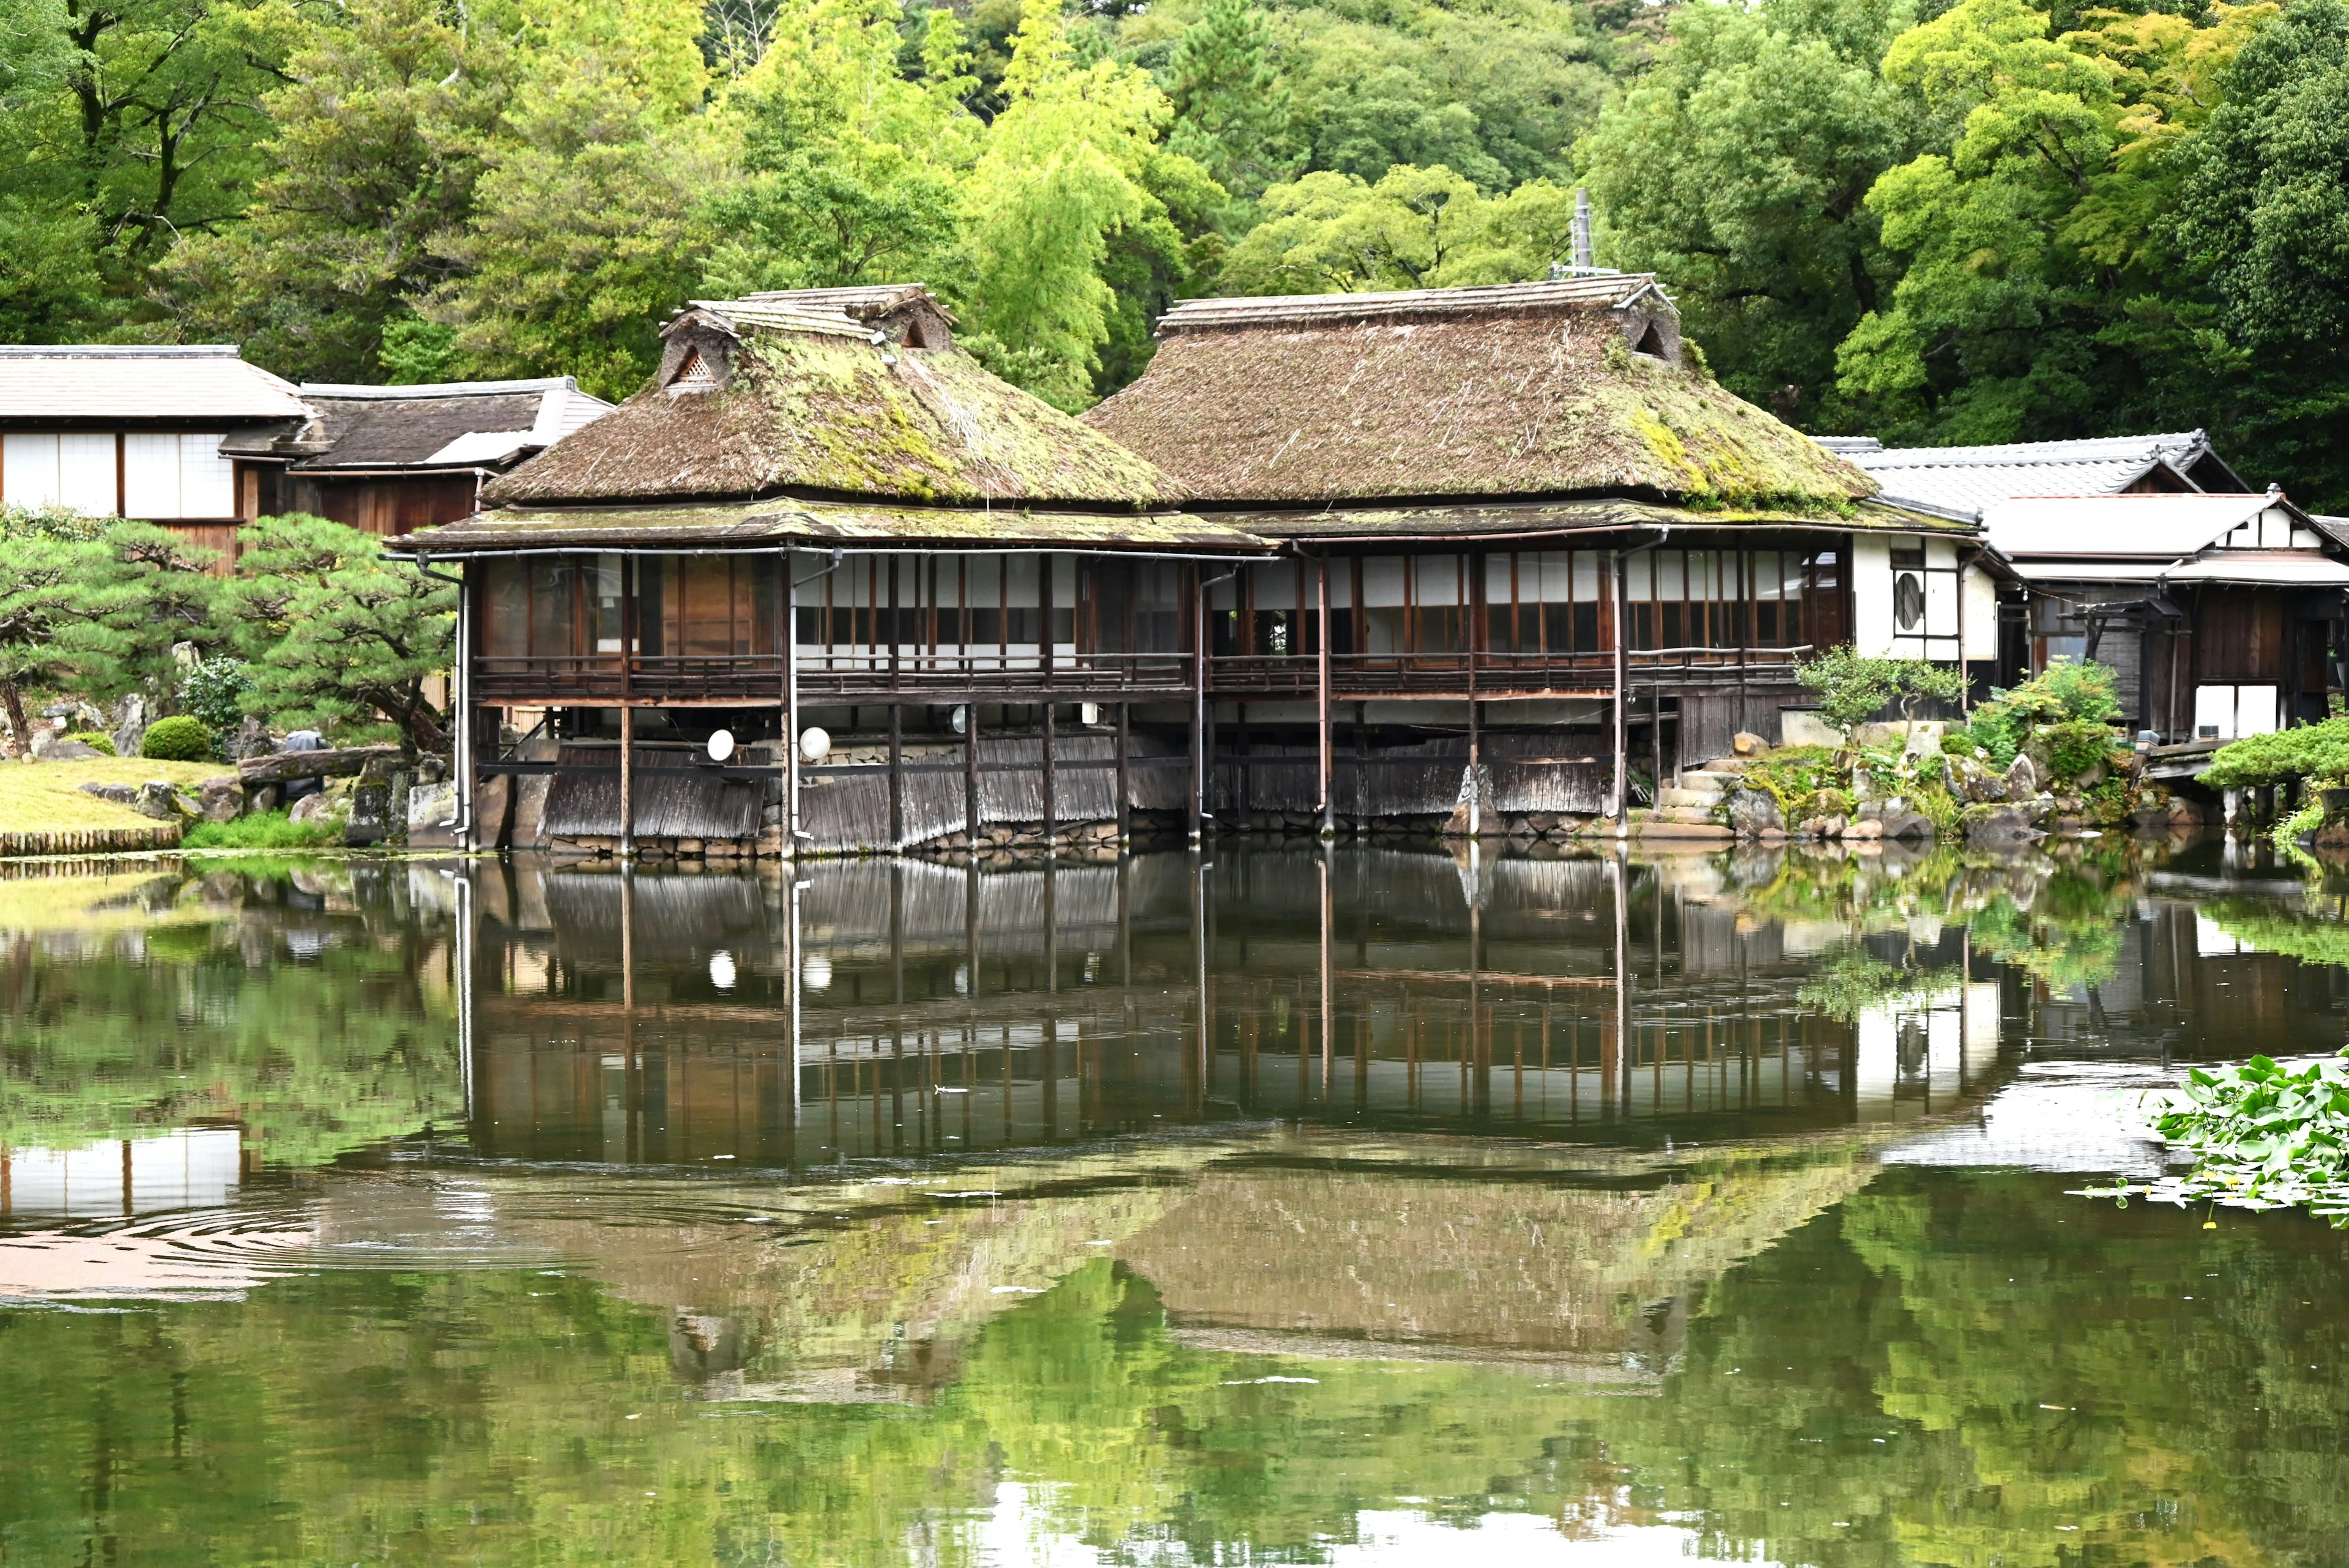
(823, 519)
(2220, 615)
(391, 460)
(1532, 547)
(159, 434)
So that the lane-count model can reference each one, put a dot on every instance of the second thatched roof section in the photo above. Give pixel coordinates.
(850, 394)
(1578, 388)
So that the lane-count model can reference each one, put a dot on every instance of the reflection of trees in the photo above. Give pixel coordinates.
(1873, 1389)
(318, 1016)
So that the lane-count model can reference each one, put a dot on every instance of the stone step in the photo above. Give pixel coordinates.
(1728, 765)
(1673, 812)
(1698, 800)
(1712, 779)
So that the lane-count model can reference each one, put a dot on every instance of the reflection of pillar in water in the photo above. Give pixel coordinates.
(1480, 1053)
(1321, 862)
(461, 956)
(1614, 1053)
(792, 983)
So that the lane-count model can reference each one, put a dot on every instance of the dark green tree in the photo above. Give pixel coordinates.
(2265, 209)
(338, 637)
(1231, 102)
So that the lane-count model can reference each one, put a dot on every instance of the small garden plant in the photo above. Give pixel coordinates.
(182, 738)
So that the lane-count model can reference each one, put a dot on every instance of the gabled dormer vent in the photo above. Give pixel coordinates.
(694, 376)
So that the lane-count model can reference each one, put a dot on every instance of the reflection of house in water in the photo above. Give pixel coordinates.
(188, 1168)
(891, 1008)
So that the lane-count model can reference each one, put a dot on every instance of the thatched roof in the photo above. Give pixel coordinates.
(1578, 388)
(790, 395)
(1499, 521)
(769, 524)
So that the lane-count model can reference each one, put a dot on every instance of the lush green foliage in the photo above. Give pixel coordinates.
(1853, 689)
(2318, 753)
(1976, 222)
(213, 691)
(260, 830)
(2072, 702)
(2264, 1135)
(336, 636)
(182, 738)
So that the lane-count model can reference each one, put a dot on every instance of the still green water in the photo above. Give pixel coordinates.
(1362, 1208)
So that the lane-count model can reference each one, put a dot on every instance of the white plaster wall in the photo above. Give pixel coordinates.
(1871, 592)
(1982, 615)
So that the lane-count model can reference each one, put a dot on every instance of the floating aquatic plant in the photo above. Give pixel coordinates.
(2264, 1135)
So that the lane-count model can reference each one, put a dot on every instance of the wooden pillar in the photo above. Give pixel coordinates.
(896, 716)
(1329, 991)
(1051, 805)
(1044, 596)
(1241, 795)
(627, 782)
(790, 706)
(1124, 772)
(896, 777)
(1199, 764)
(970, 773)
(1476, 760)
(1618, 791)
(1328, 793)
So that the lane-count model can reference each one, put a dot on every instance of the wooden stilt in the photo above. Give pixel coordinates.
(896, 777)
(1052, 805)
(970, 773)
(1618, 790)
(1124, 772)
(627, 782)
(1329, 795)
(1476, 781)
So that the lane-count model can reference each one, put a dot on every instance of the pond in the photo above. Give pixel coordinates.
(1357, 1206)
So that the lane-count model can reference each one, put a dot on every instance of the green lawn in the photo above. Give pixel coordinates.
(46, 798)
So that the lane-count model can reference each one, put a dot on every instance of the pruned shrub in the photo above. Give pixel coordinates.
(182, 738)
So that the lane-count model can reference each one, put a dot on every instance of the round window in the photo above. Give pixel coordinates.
(1908, 601)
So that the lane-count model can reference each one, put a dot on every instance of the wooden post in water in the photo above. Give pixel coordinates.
(1619, 793)
(896, 774)
(1124, 784)
(627, 782)
(971, 774)
(1045, 593)
(1322, 727)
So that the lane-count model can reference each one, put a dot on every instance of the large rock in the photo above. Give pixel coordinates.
(251, 740)
(311, 808)
(432, 816)
(70, 752)
(1908, 824)
(221, 798)
(1997, 824)
(120, 794)
(1745, 743)
(1754, 812)
(2021, 778)
(130, 725)
(158, 799)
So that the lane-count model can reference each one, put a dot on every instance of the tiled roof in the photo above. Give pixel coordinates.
(61, 382)
(1960, 481)
(2114, 527)
(440, 424)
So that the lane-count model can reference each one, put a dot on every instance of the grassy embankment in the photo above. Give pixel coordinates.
(48, 797)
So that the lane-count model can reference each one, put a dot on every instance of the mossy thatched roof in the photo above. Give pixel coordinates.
(1552, 390)
(769, 524)
(766, 397)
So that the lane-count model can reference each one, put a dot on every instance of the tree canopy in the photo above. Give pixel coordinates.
(1972, 221)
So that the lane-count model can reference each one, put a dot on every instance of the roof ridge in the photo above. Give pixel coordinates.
(122, 351)
(358, 390)
(1251, 310)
